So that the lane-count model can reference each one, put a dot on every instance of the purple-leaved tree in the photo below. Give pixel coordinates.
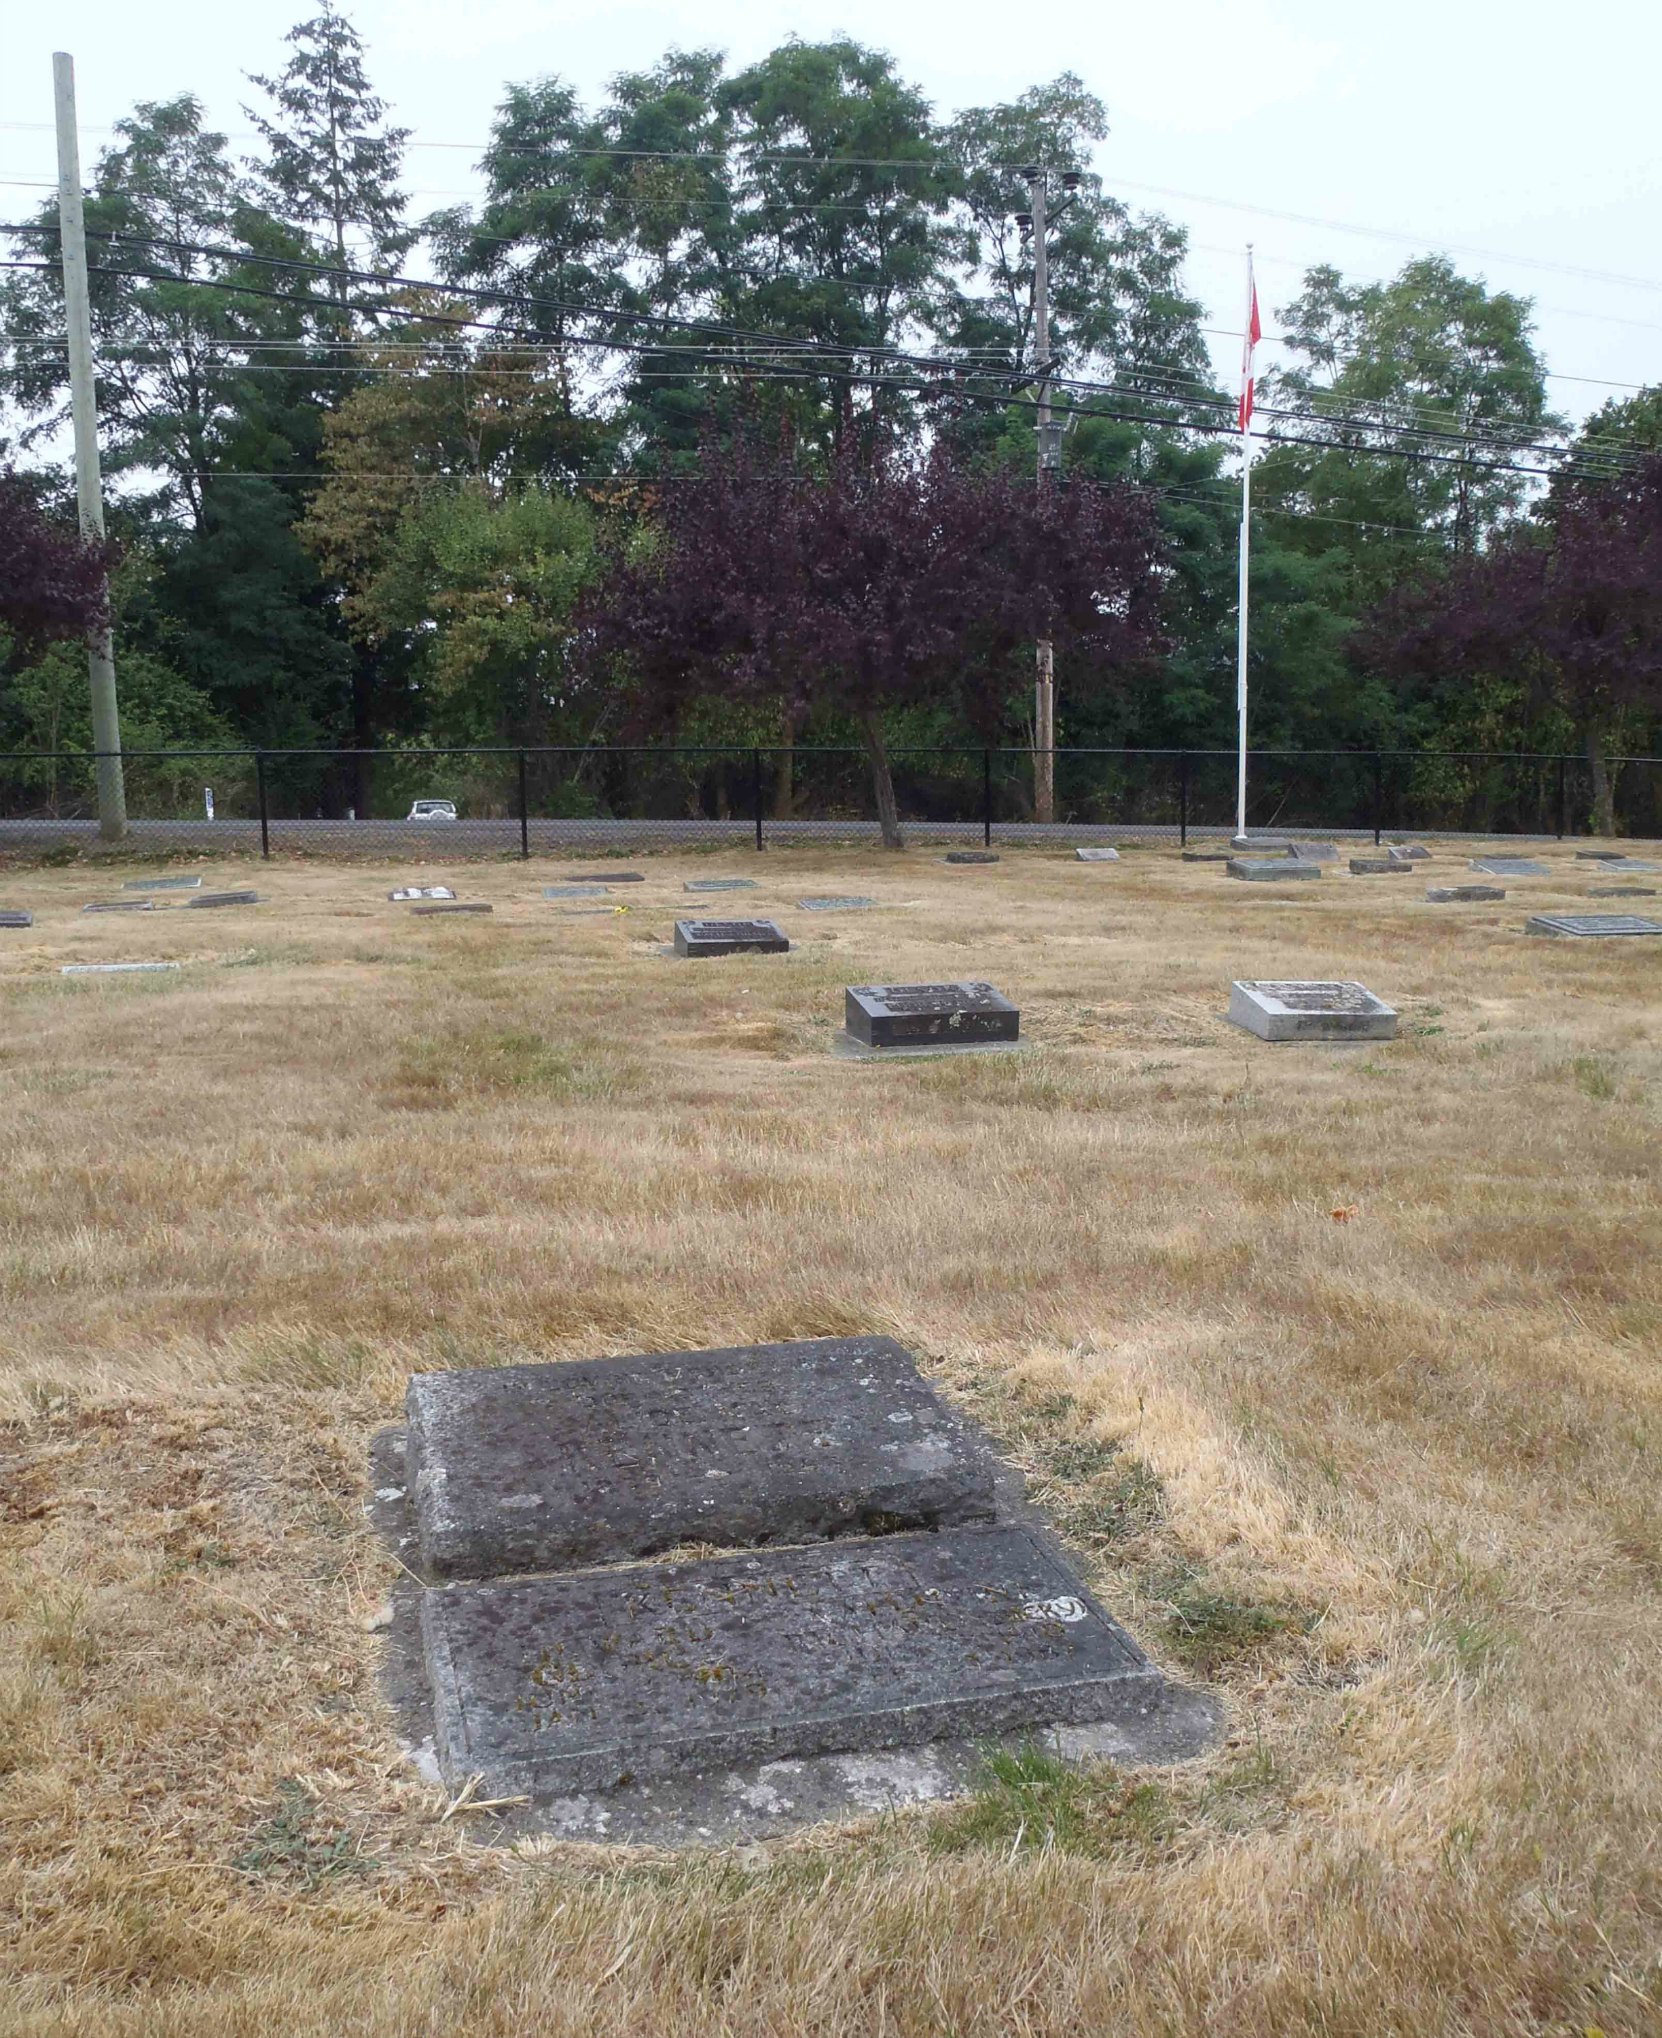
(883, 584)
(53, 582)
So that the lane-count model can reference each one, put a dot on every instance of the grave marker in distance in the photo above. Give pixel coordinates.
(454, 906)
(1379, 866)
(609, 877)
(720, 884)
(933, 1015)
(835, 905)
(224, 899)
(161, 884)
(1409, 852)
(1269, 870)
(1315, 852)
(120, 906)
(14, 916)
(113, 969)
(546, 1686)
(593, 1461)
(971, 856)
(729, 937)
(1311, 1011)
(574, 891)
(1511, 866)
(408, 892)
(1621, 891)
(1591, 926)
(1442, 895)
(1097, 855)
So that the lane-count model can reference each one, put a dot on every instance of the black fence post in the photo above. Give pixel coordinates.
(1563, 796)
(1183, 799)
(1378, 798)
(986, 799)
(265, 811)
(524, 811)
(756, 794)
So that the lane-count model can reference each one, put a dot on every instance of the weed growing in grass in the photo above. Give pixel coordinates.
(290, 1847)
(442, 1072)
(1029, 1800)
(1594, 1077)
(1209, 1629)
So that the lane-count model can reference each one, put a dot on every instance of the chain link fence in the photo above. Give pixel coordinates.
(541, 802)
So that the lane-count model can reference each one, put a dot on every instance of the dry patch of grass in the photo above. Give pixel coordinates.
(1338, 1371)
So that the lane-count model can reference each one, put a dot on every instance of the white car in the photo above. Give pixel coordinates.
(433, 810)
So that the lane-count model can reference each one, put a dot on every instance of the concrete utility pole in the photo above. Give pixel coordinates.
(1050, 465)
(106, 720)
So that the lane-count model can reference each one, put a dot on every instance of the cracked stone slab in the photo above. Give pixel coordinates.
(1511, 866)
(1444, 895)
(1591, 926)
(521, 1468)
(729, 937)
(554, 1686)
(939, 1015)
(1281, 870)
(1311, 1011)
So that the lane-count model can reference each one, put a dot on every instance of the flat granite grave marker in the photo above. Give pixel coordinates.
(589, 1461)
(224, 899)
(1599, 855)
(574, 891)
(609, 877)
(14, 916)
(545, 1686)
(408, 892)
(1099, 855)
(937, 1015)
(1443, 895)
(120, 906)
(1315, 852)
(1206, 856)
(1311, 1011)
(971, 856)
(454, 906)
(161, 884)
(1626, 866)
(1379, 866)
(1262, 845)
(113, 969)
(836, 905)
(1511, 866)
(1591, 926)
(1621, 891)
(729, 937)
(1276, 870)
(720, 884)
(1409, 852)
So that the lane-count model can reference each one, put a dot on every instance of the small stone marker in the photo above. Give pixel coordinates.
(729, 937)
(1410, 852)
(835, 905)
(609, 877)
(1271, 870)
(1311, 1011)
(454, 906)
(1627, 866)
(1511, 866)
(113, 969)
(1443, 895)
(1379, 866)
(1621, 891)
(224, 899)
(574, 891)
(1591, 926)
(971, 856)
(1315, 852)
(1599, 855)
(1262, 845)
(937, 1015)
(121, 906)
(161, 884)
(1206, 856)
(592, 1461)
(1100, 855)
(409, 892)
(720, 884)
(12, 916)
(547, 1686)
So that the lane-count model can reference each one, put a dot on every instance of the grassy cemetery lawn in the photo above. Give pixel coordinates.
(1338, 1368)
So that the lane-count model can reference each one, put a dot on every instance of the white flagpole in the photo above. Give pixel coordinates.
(1246, 530)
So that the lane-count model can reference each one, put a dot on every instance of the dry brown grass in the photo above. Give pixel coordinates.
(1389, 1480)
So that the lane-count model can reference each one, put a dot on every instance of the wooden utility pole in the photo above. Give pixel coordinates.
(1044, 691)
(106, 719)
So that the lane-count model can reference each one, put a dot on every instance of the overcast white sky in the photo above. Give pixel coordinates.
(1521, 137)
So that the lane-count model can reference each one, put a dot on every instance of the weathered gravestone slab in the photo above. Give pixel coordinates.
(1621, 891)
(836, 905)
(113, 969)
(120, 906)
(13, 916)
(161, 884)
(454, 906)
(574, 891)
(729, 937)
(1627, 866)
(609, 877)
(1315, 852)
(938, 1015)
(1311, 1011)
(1379, 866)
(971, 856)
(1511, 866)
(224, 899)
(546, 1686)
(406, 893)
(1443, 895)
(1271, 870)
(1591, 926)
(524, 1468)
(1206, 856)
(1599, 855)
(1099, 855)
(1409, 852)
(1262, 845)
(720, 884)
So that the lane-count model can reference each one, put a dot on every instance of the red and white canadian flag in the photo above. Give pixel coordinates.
(1254, 333)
